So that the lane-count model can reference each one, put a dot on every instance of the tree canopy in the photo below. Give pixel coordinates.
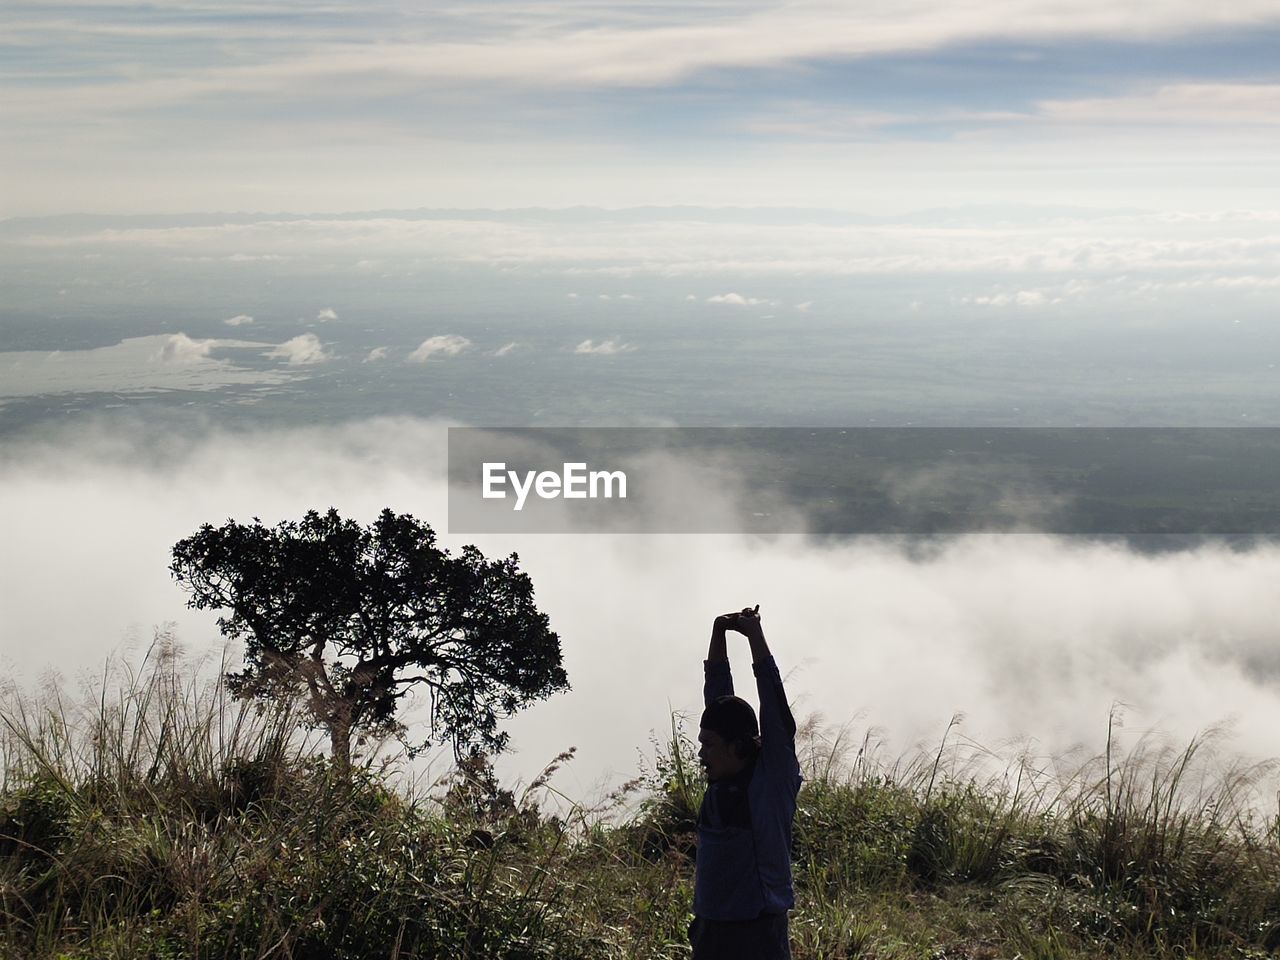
(357, 616)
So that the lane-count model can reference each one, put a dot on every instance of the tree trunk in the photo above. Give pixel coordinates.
(340, 745)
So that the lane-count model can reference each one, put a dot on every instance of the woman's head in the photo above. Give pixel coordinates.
(728, 738)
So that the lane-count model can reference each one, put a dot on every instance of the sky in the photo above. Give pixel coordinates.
(876, 107)
(256, 256)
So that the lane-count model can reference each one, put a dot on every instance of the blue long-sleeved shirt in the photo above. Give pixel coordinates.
(744, 826)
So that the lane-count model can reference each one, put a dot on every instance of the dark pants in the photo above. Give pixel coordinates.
(764, 938)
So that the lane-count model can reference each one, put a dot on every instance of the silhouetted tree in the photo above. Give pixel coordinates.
(357, 616)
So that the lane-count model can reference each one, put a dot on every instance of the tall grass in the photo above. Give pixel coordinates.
(164, 819)
(1153, 850)
(157, 817)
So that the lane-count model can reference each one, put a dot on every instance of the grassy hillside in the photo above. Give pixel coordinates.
(160, 819)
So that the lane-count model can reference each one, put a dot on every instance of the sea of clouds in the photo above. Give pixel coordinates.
(1035, 640)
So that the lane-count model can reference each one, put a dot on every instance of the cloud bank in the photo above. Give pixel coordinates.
(1078, 244)
(651, 47)
(1032, 638)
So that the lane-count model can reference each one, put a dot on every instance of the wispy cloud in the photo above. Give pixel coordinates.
(506, 349)
(652, 46)
(327, 314)
(447, 345)
(239, 320)
(1238, 105)
(805, 121)
(603, 348)
(303, 350)
(100, 78)
(376, 354)
(1179, 104)
(1212, 282)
